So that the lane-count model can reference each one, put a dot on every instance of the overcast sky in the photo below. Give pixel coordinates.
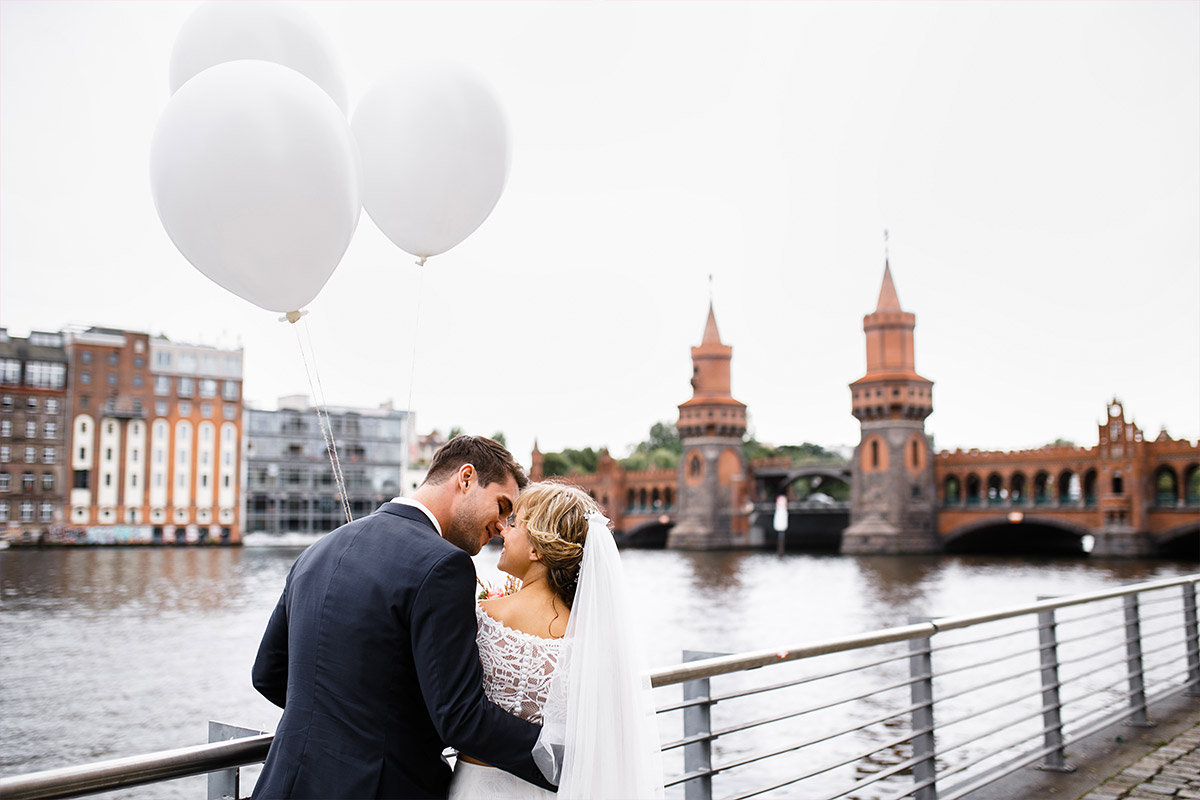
(1037, 166)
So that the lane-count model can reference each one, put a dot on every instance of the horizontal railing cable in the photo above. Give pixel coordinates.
(1105, 705)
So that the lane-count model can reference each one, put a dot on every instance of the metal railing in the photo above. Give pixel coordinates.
(933, 709)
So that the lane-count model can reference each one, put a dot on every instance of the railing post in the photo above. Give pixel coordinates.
(224, 784)
(920, 668)
(697, 721)
(1133, 657)
(1191, 638)
(1056, 761)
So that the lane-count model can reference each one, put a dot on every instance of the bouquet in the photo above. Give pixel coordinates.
(486, 592)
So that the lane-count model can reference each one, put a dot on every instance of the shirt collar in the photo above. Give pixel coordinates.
(407, 501)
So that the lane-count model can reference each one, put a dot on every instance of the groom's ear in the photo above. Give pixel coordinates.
(466, 475)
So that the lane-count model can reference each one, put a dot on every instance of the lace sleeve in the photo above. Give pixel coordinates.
(517, 666)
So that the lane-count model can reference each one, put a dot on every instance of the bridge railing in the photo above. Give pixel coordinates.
(933, 709)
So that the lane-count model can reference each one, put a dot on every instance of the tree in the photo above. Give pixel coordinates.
(660, 450)
(499, 437)
(570, 461)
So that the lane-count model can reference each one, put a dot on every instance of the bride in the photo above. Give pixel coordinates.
(560, 652)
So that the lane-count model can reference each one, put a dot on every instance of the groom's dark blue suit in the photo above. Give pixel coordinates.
(371, 653)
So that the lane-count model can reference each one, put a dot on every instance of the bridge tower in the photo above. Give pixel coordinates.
(893, 496)
(712, 470)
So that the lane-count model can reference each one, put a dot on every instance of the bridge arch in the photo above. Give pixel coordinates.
(1000, 535)
(805, 483)
(1180, 541)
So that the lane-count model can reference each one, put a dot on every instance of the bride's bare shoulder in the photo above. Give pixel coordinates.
(528, 614)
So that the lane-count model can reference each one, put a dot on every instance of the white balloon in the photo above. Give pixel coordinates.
(255, 177)
(234, 30)
(435, 154)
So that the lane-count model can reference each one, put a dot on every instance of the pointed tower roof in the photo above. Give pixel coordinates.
(888, 301)
(711, 335)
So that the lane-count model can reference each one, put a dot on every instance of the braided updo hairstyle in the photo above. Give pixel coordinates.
(556, 517)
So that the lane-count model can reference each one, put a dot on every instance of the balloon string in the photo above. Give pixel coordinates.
(334, 459)
(325, 425)
(412, 370)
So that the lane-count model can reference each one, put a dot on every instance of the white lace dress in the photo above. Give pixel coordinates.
(517, 667)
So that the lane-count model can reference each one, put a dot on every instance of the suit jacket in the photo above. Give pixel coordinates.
(371, 653)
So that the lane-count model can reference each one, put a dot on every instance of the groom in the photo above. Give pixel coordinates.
(371, 649)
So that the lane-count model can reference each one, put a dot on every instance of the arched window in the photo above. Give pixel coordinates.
(695, 466)
(669, 497)
(1118, 484)
(1068, 487)
(632, 498)
(952, 492)
(995, 490)
(1191, 485)
(972, 489)
(1041, 488)
(916, 454)
(875, 453)
(1166, 487)
(1016, 488)
(1089, 488)
(642, 498)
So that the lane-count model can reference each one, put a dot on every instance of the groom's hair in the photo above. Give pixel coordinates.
(491, 460)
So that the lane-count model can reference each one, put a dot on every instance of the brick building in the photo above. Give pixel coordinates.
(33, 414)
(155, 431)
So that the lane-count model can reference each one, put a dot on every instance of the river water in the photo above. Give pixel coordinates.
(113, 652)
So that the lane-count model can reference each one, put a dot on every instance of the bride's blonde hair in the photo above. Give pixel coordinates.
(556, 516)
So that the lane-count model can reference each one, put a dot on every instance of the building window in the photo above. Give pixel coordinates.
(3, 510)
(6, 427)
(51, 406)
(85, 377)
(112, 359)
(84, 400)
(5, 482)
(185, 408)
(230, 412)
(26, 511)
(108, 454)
(187, 387)
(208, 387)
(139, 362)
(111, 378)
(162, 385)
(31, 403)
(50, 430)
(30, 455)
(160, 408)
(46, 512)
(5, 453)
(46, 374)
(47, 481)
(230, 391)
(30, 429)
(10, 370)
(86, 356)
(48, 455)
(27, 482)
(81, 479)
(206, 410)
(108, 479)
(6, 403)
(137, 379)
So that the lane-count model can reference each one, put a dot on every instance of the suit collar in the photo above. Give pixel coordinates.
(409, 512)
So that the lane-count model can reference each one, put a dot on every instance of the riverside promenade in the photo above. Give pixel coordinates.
(1161, 762)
